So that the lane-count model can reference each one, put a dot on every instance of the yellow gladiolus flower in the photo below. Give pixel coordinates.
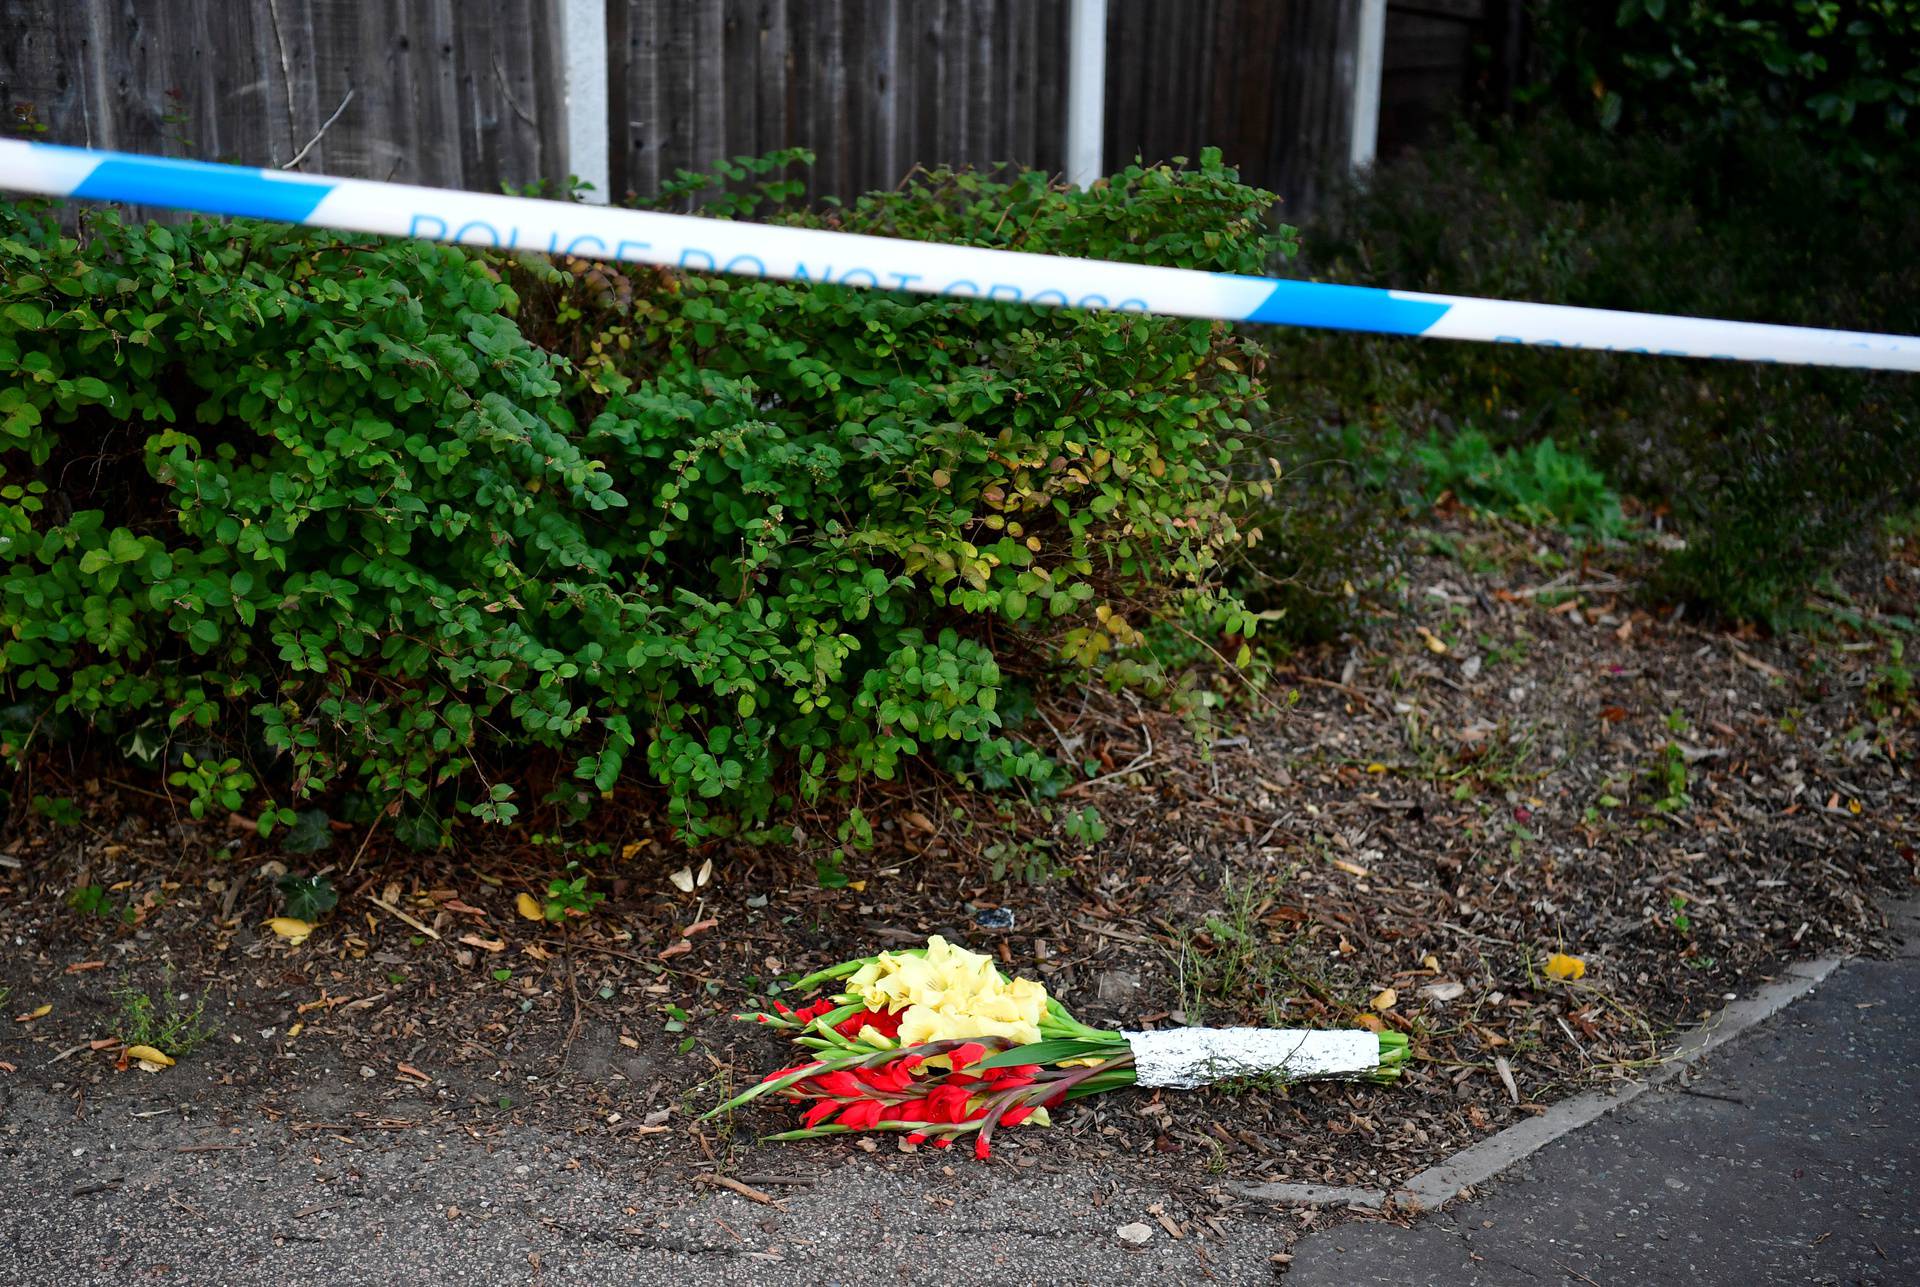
(950, 994)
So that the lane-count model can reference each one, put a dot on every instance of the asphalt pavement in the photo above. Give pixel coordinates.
(1790, 1156)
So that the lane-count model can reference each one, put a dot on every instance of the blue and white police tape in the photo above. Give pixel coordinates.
(761, 250)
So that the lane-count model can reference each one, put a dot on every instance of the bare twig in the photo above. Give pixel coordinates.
(744, 1190)
(325, 125)
(391, 910)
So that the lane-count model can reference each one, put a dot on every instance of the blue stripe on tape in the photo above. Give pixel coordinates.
(1346, 308)
(196, 185)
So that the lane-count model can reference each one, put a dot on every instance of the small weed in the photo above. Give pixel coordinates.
(568, 895)
(60, 810)
(1668, 774)
(94, 900)
(176, 1024)
(1679, 921)
(1029, 860)
(1085, 828)
(1889, 686)
(676, 1023)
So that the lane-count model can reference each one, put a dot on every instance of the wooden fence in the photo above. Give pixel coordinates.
(471, 94)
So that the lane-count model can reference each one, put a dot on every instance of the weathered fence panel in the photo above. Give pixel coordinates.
(472, 94)
(874, 87)
(425, 91)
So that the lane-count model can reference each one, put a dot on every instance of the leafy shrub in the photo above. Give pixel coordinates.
(1769, 473)
(1844, 74)
(291, 511)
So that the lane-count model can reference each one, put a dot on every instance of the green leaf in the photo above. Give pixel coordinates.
(308, 898)
(1052, 1052)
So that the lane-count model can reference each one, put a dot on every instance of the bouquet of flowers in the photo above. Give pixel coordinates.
(935, 1042)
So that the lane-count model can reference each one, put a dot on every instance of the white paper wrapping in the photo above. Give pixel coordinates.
(1189, 1057)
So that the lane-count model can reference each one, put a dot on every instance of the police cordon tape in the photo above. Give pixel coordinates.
(929, 268)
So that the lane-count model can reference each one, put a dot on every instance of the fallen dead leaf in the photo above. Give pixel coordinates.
(31, 1015)
(683, 880)
(293, 930)
(1505, 1069)
(1385, 999)
(1445, 990)
(1562, 966)
(149, 1058)
(529, 907)
(484, 944)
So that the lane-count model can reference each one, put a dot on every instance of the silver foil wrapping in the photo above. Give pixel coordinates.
(1189, 1057)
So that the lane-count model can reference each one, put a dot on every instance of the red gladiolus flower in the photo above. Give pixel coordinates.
(781, 1009)
(839, 1082)
(819, 1112)
(887, 1025)
(911, 1110)
(916, 1137)
(1015, 1116)
(1008, 1078)
(981, 1148)
(948, 1103)
(967, 1055)
(887, 1077)
(861, 1114)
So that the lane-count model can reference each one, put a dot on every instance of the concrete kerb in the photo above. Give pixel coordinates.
(1480, 1162)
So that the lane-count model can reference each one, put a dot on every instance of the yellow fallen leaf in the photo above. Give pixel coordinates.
(295, 1030)
(857, 886)
(290, 928)
(1385, 999)
(1434, 642)
(529, 907)
(1562, 966)
(148, 1055)
(1376, 767)
(31, 1015)
(1371, 1022)
(632, 847)
(1430, 962)
(1854, 806)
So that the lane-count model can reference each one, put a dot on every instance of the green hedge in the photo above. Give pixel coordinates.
(288, 512)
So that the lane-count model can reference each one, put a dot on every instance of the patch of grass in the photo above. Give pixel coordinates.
(1500, 761)
(1230, 966)
(175, 1024)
